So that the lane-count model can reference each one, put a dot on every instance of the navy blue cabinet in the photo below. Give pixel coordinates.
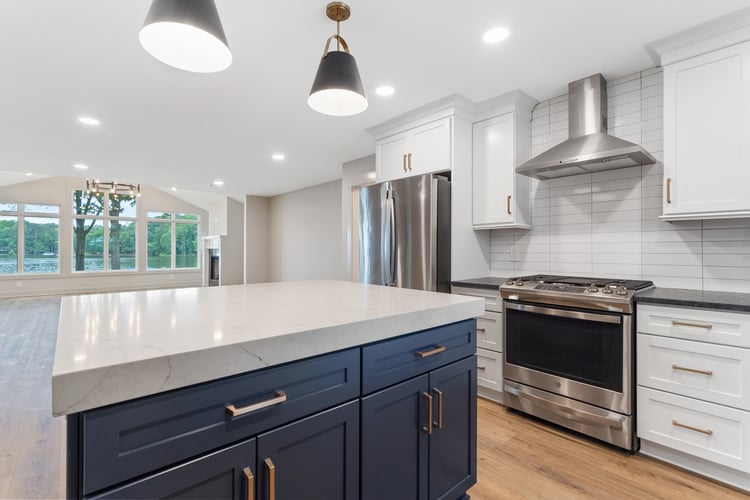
(419, 437)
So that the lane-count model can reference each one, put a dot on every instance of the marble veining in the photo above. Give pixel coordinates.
(119, 346)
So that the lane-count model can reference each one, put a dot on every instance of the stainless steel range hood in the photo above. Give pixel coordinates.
(589, 147)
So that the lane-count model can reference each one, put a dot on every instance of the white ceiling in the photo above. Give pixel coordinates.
(166, 127)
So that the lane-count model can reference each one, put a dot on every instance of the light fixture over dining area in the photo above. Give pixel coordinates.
(116, 189)
(186, 34)
(337, 89)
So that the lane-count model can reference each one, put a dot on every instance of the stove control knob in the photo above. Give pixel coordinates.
(593, 288)
(607, 290)
(621, 290)
(509, 282)
(518, 283)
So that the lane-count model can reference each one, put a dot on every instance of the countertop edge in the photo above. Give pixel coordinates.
(704, 299)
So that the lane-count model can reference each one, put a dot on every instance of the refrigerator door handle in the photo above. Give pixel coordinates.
(390, 237)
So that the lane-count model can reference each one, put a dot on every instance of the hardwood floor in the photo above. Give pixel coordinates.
(518, 457)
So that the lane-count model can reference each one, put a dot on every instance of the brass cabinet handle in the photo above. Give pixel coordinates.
(409, 160)
(250, 482)
(404, 162)
(692, 370)
(482, 368)
(439, 422)
(271, 479)
(707, 432)
(669, 190)
(236, 412)
(705, 326)
(508, 203)
(481, 330)
(428, 428)
(431, 352)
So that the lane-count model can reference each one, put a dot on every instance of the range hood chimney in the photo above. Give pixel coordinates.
(589, 148)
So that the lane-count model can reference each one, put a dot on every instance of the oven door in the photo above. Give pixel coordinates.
(580, 354)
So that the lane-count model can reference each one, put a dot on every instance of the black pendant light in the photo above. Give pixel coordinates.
(337, 89)
(186, 34)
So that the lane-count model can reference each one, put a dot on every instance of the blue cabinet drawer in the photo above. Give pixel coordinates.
(404, 357)
(126, 440)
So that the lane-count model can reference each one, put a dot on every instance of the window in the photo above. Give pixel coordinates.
(29, 238)
(104, 229)
(172, 240)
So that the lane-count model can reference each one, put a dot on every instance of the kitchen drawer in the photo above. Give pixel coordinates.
(392, 361)
(711, 372)
(707, 325)
(490, 331)
(490, 369)
(126, 440)
(492, 300)
(706, 430)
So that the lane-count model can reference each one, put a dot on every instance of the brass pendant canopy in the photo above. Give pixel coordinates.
(337, 89)
(186, 34)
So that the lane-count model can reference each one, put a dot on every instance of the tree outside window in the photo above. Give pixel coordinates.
(29, 238)
(172, 240)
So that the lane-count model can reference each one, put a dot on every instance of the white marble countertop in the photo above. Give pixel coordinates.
(119, 346)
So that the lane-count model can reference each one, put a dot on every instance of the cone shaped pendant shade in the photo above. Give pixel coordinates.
(186, 34)
(337, 89)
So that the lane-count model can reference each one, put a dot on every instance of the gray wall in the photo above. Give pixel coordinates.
(305, 234)
(257, 235)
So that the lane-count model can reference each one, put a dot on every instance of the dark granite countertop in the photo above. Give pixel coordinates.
(487, 283)
(729, 301)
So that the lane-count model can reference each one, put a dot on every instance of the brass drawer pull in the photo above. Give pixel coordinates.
(707, 432)
(271, 479)
(250, 483)
(692, 370)
(236, 412)
(428, 428)
(482, 368)
(705, 326)
(669, 190)
(481, 330)
(508, 202)
(431, 352)
(439, 422)
(409, 161)
(404, 163)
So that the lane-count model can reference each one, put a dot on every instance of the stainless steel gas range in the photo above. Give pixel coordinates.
(569, 352)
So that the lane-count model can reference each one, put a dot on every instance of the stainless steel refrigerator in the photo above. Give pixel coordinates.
(404, 233)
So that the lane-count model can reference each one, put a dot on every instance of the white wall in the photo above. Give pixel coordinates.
(305, 234)
(257, 235)
(58, 190)
(607, 224)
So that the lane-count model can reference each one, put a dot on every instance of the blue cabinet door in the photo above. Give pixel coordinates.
(224, 475)
(453, 458)
(314, 458)
(394, 443)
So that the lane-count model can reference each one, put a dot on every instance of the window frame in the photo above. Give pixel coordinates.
(21, 214)
(173, 221)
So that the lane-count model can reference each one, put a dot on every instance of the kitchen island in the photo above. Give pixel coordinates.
(269, 390)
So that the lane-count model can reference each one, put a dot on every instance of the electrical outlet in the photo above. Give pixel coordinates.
(171, 276)
(514, 254)
(19, 284)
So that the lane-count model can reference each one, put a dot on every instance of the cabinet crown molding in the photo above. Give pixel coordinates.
(453, 105)
(720, 32)
(516, 100)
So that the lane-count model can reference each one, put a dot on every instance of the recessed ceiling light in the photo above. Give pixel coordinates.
(496, 35)
(174, 189)
(80, 166)
(278, 157)
(29, 174)
(89, 120)
(384, 90)
(218, 183)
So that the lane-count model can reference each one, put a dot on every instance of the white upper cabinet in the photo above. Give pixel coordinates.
(706, 128)
(420, 150)
(500, 197)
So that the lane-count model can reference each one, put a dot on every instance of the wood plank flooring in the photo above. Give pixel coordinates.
(518, 457)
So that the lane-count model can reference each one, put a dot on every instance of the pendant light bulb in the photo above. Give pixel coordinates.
(186, 34)
(337, 89)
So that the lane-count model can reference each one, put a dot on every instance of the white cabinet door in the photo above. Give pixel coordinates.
(421, 150)
(706, 139)
(500, 197)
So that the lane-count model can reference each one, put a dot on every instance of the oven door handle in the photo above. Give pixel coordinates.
(563, 313)
(570, 413)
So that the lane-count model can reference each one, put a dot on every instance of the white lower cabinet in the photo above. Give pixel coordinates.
(490, 374)
(693, 393)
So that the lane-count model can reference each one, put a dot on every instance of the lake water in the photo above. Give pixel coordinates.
(45, 264)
